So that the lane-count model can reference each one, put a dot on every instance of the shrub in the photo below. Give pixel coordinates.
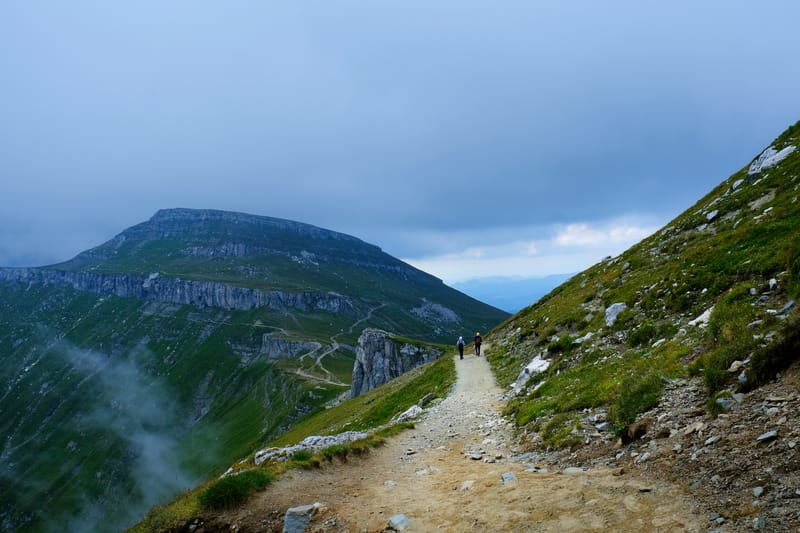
(234, 489)
(637, 396)
(641, 335)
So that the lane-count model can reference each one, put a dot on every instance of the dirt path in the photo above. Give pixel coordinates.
(447, 475)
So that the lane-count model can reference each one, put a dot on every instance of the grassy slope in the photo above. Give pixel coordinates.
(93, 385)
(701, 259)
(364, 412)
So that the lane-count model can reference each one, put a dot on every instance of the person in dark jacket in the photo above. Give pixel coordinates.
(478, 340)
(460, 345)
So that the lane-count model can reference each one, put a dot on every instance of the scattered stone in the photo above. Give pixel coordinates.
(573, 470)
(613, 311)
(696, 427)
(786, 308)
(411, 413)
(297, 519)
(426, 399)
(735, 366)
(390, 483)
(508, 477)
(758, 491)
(725, 403)
(490, 460)
(702, 320)
(467, 485)
(399, 522)
(768, 158)
(768, 436)
(712, 440)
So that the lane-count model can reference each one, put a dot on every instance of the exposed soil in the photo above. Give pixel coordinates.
(447, 475)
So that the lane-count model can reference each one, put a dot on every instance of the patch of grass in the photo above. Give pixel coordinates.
(638, 394)
(378, 406)
(766, 362)
(729, 337)
(561, 430)
(234, 489)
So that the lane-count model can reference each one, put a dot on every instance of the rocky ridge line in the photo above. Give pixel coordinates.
(180, 291)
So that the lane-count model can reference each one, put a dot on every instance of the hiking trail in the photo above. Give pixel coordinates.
(448, 474)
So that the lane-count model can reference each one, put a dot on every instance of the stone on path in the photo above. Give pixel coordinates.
(399, 522)
(508, 477)
(297, 519)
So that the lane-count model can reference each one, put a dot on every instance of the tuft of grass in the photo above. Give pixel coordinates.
(637, 396)
(234, 489)
(766, 362)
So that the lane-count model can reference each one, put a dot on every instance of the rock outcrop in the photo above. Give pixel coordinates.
(182, 291)
(380, 358)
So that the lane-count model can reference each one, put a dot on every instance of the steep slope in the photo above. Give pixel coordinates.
(671, 340)
(144, 365)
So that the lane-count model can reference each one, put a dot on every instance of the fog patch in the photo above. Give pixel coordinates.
(138, 409)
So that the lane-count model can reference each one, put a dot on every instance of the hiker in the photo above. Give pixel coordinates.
(478, 343)
(460, 345)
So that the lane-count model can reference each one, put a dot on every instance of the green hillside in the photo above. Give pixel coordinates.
(734, 255)
(113, 403)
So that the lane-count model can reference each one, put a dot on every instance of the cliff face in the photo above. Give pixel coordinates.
(180, 291)
(380, 358)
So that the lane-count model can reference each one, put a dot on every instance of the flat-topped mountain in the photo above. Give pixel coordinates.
(146, 364)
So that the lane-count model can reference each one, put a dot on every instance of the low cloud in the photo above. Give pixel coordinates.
(587, 236)
(554, 250)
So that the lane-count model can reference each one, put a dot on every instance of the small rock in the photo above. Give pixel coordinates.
(490, 460)
(735, 366)
(758, 491)
(573, 470)
(467, 485)
(769, 435)
(390, 483)
(725, 403)
(712, 440)
(297, 519)
(399, 522)
(508, 477)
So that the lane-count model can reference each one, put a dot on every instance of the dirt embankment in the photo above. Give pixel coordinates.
(459, 470)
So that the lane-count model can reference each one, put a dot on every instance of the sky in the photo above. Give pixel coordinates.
(471, 139)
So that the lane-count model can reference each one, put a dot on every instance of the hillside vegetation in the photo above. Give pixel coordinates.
(134, 371)
(713, 287)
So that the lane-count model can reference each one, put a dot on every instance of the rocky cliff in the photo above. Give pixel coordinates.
(381, 358)
(181, 291)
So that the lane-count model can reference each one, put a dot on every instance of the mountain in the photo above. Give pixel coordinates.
(149, 363)
(676, 360)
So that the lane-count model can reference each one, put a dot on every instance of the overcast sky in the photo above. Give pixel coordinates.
(469, 138)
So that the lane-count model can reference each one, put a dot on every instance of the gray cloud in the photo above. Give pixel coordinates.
(379, 119)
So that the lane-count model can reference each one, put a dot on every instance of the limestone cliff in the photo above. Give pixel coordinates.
(182, 291)
(381, 358)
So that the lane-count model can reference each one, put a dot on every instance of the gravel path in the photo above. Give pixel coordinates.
(456, 472)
